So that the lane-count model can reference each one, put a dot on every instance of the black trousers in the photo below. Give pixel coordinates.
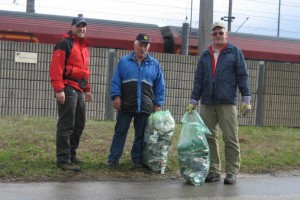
(70, 124)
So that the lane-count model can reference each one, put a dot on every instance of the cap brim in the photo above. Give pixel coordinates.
(79, 22)
(143, 41)
(216, 27)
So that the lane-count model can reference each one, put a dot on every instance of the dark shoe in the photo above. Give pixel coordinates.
(111, 164)
(230, 179)
(68, 166)
(138, 165)
(212, 177)
(76, 160)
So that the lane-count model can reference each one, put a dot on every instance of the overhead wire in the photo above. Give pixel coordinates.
(266, 16)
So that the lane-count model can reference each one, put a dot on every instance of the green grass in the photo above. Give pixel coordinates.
(27, 151)
(267, 149)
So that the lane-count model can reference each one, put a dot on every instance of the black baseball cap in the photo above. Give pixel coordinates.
(77, 20)
(142, 37)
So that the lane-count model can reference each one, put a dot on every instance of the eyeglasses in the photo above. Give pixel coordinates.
(216, 33)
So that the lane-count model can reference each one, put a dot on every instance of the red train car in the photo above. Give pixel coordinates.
(254, 47)
(41, 28)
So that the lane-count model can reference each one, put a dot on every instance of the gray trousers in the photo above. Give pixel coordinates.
(224, 116)
(70, 124)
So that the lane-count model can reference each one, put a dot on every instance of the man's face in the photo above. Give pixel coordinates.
(141, 49)
(79, 30)
(219, 36)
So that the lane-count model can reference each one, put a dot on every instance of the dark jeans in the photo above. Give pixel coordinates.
(70, 124)
(121, 130)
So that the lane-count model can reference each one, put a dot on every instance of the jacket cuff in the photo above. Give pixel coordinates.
(246, 99)
(58, 91)
(194, 102)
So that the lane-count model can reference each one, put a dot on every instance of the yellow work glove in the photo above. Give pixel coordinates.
(246, 109)
(246, 106)
(190, 108)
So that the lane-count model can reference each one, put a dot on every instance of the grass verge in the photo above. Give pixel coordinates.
(27, 151)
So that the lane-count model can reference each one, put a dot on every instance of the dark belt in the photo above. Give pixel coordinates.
(82, 83)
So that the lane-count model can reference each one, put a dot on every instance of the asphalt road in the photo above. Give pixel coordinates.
(262, 187)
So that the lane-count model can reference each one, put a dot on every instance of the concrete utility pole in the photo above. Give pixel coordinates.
(229, 15)
(229, 18)
(278, 28)
(205, 22)
(30, 6)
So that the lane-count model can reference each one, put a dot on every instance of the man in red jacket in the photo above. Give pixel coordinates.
(69, 74)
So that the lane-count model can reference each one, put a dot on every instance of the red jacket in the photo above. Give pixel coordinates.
(70, 63)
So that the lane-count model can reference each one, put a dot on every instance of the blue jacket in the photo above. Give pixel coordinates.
(140, 87)
(231, 73)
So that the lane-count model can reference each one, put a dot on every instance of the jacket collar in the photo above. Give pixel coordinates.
(148, 57)
(72, 36)
(226, 48)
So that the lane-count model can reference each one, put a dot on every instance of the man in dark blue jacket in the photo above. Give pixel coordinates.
(137, 90)
(220, 71)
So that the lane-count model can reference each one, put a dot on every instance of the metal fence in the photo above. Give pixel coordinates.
(25, 87)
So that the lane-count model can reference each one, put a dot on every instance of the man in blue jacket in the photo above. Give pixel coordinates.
(220, 71)
(137, 90)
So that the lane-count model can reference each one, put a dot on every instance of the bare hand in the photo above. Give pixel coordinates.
(117, 103)
(88, 97)
(60, 97)
(156, 108)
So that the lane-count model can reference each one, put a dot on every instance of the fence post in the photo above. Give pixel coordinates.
(108, 115)
(260, 95)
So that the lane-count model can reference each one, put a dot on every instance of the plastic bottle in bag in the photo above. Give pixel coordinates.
(157, 140)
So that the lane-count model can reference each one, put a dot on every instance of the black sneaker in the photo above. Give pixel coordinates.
(212, 177)
(77, 160)
(111, 164)
(230, 179)
(68, 167)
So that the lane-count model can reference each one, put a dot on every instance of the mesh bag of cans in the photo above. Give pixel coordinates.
(192, 149)
(157, 140)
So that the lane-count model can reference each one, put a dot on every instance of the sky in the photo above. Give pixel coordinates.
(251, 16)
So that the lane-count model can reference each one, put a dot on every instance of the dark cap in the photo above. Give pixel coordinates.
(142, 37)
(80, 19)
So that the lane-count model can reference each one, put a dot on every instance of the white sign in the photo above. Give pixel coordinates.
(25, 57)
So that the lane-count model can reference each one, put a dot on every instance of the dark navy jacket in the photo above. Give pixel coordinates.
(140, 87)
(231, 73)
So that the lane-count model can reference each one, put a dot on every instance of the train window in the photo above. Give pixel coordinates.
(19, 37)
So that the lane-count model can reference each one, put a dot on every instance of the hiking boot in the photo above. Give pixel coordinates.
(68, 167)
(77, 160)
(111, 164)
(230, 179)
(212, 177)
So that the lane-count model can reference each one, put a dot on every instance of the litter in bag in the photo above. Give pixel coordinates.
(192, 149)
(157, 140)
